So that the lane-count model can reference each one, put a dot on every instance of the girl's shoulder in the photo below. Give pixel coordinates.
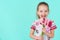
(34, 24)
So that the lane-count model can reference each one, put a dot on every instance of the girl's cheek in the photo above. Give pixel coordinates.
(39, 13)
(46, 14)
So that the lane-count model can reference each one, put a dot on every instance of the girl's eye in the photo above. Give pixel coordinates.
(46, 11)
(41, 11)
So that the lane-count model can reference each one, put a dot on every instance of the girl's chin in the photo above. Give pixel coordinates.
(42, 17)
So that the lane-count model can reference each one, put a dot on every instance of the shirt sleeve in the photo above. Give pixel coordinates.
(53, 26)
(33, 26)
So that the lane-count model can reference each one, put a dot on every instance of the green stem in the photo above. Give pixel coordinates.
(42, 32)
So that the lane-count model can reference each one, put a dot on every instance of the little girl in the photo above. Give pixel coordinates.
(43, 28)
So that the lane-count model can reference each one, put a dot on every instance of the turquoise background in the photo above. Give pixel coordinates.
(16, 17)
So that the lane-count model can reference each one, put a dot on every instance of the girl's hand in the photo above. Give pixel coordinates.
(38, 38)
(44, 30)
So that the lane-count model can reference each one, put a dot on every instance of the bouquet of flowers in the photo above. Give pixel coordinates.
(43, 23)
(49, 23)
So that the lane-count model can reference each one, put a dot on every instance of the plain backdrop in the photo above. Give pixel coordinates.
(16, 17)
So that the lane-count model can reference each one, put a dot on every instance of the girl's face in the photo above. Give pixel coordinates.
(42, 11)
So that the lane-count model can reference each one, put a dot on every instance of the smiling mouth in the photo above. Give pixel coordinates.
(43, 15)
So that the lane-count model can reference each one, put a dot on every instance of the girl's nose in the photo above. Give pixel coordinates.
(43, 15)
